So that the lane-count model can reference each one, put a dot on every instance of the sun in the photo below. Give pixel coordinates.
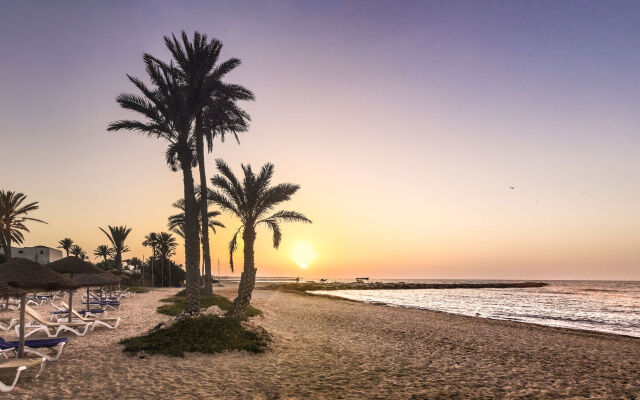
(303, 253)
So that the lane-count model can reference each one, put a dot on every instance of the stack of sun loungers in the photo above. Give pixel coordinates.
(40, 351)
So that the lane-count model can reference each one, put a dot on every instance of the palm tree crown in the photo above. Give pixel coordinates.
(151, 240)
(117, 236)
(103, 251)
(65, 244)
(176, 221)
(13, 215)
(78, 252)
(252, 200)
(166, 244)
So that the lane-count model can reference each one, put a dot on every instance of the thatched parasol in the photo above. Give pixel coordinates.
(7, 291)
(89, 280)
(111, 277)
(114, 278)
(23, 275)
(73, 266)
(92, 280)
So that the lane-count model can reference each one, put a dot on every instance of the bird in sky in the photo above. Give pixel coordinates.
(512, 187)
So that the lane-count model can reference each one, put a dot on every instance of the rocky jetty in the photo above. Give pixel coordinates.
(308, 286)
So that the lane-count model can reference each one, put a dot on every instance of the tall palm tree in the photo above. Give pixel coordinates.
(13, 215)
(166, 248)
(117, 236)
(77, 251)
(65, 244)
(169, 110)
(198, 69)
(151, 240)
(251, 200)
(103, 251)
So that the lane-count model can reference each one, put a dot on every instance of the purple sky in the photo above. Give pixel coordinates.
(405, 122)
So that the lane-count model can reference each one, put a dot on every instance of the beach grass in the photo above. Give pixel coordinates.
(176, 304)
(204, 334)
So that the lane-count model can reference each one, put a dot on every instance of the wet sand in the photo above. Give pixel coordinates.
(330, 349)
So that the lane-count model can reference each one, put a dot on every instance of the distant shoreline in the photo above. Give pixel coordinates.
(308, 286)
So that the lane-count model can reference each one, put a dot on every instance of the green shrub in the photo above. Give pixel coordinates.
(178, 305)
(206, 334)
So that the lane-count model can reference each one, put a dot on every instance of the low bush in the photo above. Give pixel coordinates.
(204, 334)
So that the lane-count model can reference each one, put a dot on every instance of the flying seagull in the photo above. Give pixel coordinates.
(512, 187)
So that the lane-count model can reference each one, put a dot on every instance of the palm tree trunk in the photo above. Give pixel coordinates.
(248, 277)
(118, 260)
(162, 273)
(191, 232)
(23, 303)
(204, 212)
(7, 250)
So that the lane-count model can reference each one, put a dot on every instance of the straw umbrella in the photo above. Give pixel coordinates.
(73, 266)
(89, 280)
(113, 277)
(25, 275)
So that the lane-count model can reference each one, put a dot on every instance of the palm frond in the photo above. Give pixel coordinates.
(233, 245)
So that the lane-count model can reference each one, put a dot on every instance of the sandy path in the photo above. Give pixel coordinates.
(330, 349)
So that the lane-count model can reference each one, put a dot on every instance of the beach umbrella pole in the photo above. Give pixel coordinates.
(23, 303)
(88, 298)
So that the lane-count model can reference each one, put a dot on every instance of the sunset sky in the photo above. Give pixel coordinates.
(405, 123)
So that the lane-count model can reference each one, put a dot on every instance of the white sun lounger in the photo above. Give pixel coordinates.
(63, 308)
(40, 324)
(6, 324)
(111, 323)
(20, 364)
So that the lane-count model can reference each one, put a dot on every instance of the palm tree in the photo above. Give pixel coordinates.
(103, 251)
(198, 69)
(169, 111)
(117, 236)
(151, 240)
(77, 251)
(138, 266)
(176, 225)
(251, 200)
(65, 244)
(166, 248)
(13, 215)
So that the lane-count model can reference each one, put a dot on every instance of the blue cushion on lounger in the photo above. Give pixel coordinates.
(36, 343)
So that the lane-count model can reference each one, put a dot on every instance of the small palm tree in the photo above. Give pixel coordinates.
(251, 200)
(13, 215)
(151, 240)
(103, 251)
(117, 236)
(166, 248)
(176, 225)
(138, 266)
(65, 244)
(77, 251)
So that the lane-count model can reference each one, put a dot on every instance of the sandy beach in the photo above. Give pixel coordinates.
(326, 349)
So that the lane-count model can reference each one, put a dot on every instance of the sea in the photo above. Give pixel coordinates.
(603, 306)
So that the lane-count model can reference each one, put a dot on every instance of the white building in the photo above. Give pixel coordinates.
(39, 254)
